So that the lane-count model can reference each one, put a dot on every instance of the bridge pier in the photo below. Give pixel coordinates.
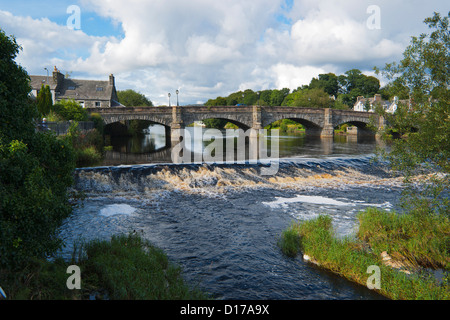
(381, 124)
(176, 126)
(328, 129)
(257, 123)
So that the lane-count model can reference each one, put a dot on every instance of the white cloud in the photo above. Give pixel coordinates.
(292, 77)
(209, 48)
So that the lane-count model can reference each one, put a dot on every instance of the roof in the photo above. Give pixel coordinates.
(37, 81)
(66, 88)
(85, 89)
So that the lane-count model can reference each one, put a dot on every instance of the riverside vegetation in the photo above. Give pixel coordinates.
(36, 172)
(418, 237)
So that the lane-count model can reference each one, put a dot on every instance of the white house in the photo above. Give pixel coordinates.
(368, 104)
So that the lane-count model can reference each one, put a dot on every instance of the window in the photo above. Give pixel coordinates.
(99, 88)
(71, 88)
(81, 103)
(98, 104)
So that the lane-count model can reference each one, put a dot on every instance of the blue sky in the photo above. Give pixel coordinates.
(208, 48)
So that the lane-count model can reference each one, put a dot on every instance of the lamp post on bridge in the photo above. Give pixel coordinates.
(177, 92)
(169, 98)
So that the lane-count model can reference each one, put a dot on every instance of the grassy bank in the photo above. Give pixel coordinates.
(400, 245)
(124, 268)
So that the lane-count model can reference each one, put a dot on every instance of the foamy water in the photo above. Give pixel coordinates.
(221, 222)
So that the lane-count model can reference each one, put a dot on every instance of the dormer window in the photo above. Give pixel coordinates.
(71, 88)
(99, 88)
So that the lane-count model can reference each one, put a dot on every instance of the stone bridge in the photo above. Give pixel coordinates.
(317, 121)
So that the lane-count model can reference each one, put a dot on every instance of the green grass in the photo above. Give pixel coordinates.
(124, 268)
(350, 257)
(88, 156)
(418, 240)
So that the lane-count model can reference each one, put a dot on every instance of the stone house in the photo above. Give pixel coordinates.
(88, 93)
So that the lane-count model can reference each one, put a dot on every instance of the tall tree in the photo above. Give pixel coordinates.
(328, 82)
(14, 88)
(131, 98)
(44, 100)
(309, 98)
(425, 71)
(35, 170)
(277, 96)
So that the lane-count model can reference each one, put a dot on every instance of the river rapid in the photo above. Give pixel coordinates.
(221, 222)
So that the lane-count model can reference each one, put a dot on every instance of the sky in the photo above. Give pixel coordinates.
(211, 48)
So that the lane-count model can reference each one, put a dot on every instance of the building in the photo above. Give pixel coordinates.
(88, 93)
(395, 102)
(368, 104)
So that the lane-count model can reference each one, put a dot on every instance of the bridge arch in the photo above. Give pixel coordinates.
(109, 119)
(311, 128)
(358, 128)
(243, 120)
(239, 124)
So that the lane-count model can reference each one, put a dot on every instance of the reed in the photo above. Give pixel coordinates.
(124, 268)
(350, 257)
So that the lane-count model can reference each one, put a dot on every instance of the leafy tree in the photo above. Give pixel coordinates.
(250, 97)
(425, 71)
(17, 113)
(131, 98)
(234, 98)
(44, 100)
(308, 98)
(71, 110)
(35, 170)
(264, 97)
(395, 89)
(219, 101)
(328, 82)
(277, 96)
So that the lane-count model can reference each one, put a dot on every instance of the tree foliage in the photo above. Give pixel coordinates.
(425, 121)
(309, 98)
(44, 100)
(70, 110)
(16, 113)
(343, 91)
(131, 98)
(35, 170)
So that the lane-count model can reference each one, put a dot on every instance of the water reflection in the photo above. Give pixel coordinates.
(151, 147)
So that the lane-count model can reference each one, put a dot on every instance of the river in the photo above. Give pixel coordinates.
(221, 222)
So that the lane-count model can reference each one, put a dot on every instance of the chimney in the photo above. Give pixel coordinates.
(58, 77)
(111, 80)
(377, 98)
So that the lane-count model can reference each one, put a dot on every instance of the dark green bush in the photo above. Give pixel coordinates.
(33, 196)
(35, 170)
(71, 110)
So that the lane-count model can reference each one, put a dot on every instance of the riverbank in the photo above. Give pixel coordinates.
(400, 247)
(124, 268)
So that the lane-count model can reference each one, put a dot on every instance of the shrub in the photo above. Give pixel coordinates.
(88, 156)
(70, 110)
(33, 196)
(35, 170)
